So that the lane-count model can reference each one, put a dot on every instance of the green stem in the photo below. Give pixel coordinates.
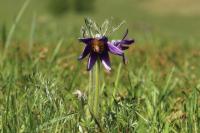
(97, 87)
(117, 78)
(93, 91)
(90, 93)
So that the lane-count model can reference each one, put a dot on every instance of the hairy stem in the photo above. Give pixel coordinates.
(90, 92)
(97, 87)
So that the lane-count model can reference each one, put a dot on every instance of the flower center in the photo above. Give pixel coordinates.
(97, 46)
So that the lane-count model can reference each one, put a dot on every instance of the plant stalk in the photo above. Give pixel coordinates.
(90, 93)
(97, 87)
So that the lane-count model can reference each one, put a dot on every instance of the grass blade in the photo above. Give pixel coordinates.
(12, 30)
(56, 50)
(33, 25)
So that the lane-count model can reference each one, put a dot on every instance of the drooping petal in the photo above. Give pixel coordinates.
(85, 52)
(91, 60)
(104, 57)
(114, 50)
(85, 40)
(115, 42)
(127, 41)
(123, 47)
(122, 44)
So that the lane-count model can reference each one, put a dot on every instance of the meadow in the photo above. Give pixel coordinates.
(157, 91)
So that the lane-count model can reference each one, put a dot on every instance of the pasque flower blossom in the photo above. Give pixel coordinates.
(99, 47)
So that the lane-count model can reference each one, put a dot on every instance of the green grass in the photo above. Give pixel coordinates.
(158, 91)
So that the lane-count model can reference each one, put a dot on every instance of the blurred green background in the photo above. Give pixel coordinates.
(177, 20)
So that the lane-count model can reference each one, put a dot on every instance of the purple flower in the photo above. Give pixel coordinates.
(99, 47)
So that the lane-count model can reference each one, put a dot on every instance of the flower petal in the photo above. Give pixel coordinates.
(127, 41)
(85, 52)
(115, 42)
(122, 44)
(91, 61)
(105, 60)
(85, 40)
(115, 50)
